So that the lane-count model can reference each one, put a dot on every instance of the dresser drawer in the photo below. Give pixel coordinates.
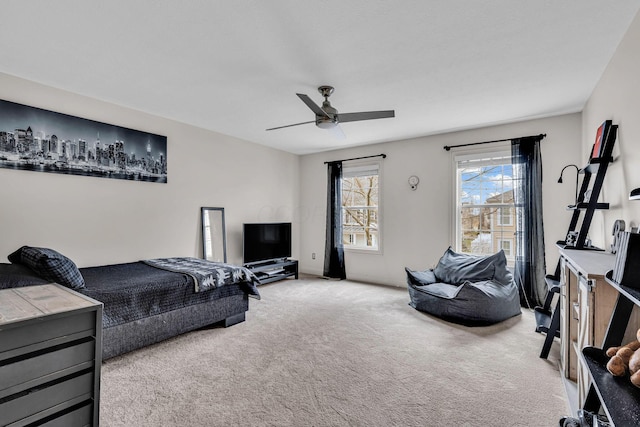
(79, 417)
(46, 329)
(52, 398)
(33, 369)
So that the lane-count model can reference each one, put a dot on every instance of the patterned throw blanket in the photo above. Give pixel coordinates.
(208, 275)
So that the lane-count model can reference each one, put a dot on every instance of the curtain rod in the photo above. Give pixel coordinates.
(384, 156)
(449, 147)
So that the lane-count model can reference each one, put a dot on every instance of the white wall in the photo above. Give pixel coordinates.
(99, 221)
(617, 98)
(417, 225)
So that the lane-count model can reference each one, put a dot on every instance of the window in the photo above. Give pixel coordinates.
(504, 216)
(506, 246)
(485, 204)
(360, 206)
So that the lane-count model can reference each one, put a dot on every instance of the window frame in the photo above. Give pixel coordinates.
(355, 166)
(496, 152)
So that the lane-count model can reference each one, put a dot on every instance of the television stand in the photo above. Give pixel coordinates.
(272, 271)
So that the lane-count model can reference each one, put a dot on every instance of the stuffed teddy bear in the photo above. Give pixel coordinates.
(625, 358)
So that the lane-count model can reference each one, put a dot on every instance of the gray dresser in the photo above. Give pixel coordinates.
(50, 357)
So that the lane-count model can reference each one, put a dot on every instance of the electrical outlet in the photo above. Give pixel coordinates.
(313, 255)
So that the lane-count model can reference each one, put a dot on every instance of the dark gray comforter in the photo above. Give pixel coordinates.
(132, 291)
(136, 290)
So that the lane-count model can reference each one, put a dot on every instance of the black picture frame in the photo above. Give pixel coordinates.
(41, 140)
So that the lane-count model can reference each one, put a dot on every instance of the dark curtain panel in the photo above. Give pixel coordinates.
(333, 250)
(530, 268)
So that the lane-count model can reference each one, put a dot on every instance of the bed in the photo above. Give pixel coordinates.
(144, 302)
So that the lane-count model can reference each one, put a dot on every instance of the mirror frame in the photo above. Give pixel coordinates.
(216, 233)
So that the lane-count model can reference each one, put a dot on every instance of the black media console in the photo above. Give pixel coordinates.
(271, 271)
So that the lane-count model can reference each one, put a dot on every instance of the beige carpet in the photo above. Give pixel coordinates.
(328, 353)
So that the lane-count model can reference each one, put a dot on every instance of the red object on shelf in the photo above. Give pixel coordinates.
(598, 147)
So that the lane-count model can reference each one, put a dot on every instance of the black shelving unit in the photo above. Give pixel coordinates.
(546, 318)
(547, 321)
(596, 169)
(619, 399)
(272, 271)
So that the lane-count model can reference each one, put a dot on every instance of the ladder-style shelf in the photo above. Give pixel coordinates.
(547, 319)
(596, 169)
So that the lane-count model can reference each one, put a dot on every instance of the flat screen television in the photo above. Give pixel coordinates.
(266, 242)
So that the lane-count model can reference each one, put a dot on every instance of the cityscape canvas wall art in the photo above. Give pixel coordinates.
(45, 141)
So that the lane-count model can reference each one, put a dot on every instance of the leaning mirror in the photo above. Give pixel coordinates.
(214, 241)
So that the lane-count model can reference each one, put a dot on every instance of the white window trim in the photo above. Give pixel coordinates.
(497, 150)
(364, 165)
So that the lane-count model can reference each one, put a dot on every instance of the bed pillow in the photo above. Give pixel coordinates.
(49, 265)
(456, 268)
(15, 257)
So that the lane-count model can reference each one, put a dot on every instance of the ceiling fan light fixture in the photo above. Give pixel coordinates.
(326, 123)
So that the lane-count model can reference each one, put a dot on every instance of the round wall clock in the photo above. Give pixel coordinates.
(413, 182)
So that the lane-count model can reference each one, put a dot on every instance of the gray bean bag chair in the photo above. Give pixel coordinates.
(467, 289)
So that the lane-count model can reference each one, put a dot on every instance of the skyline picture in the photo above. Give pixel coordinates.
(40, 140)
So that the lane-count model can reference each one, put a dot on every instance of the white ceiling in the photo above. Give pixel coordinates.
(234, 67)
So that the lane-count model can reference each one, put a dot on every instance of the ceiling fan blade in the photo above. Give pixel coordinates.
(337, 132)
(365, 115)
(314, 107)
(288, 126)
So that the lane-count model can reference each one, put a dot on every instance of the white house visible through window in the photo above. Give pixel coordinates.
(360, 206)
(485, 208)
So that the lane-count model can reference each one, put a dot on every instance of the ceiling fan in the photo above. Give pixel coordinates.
(328, 117)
